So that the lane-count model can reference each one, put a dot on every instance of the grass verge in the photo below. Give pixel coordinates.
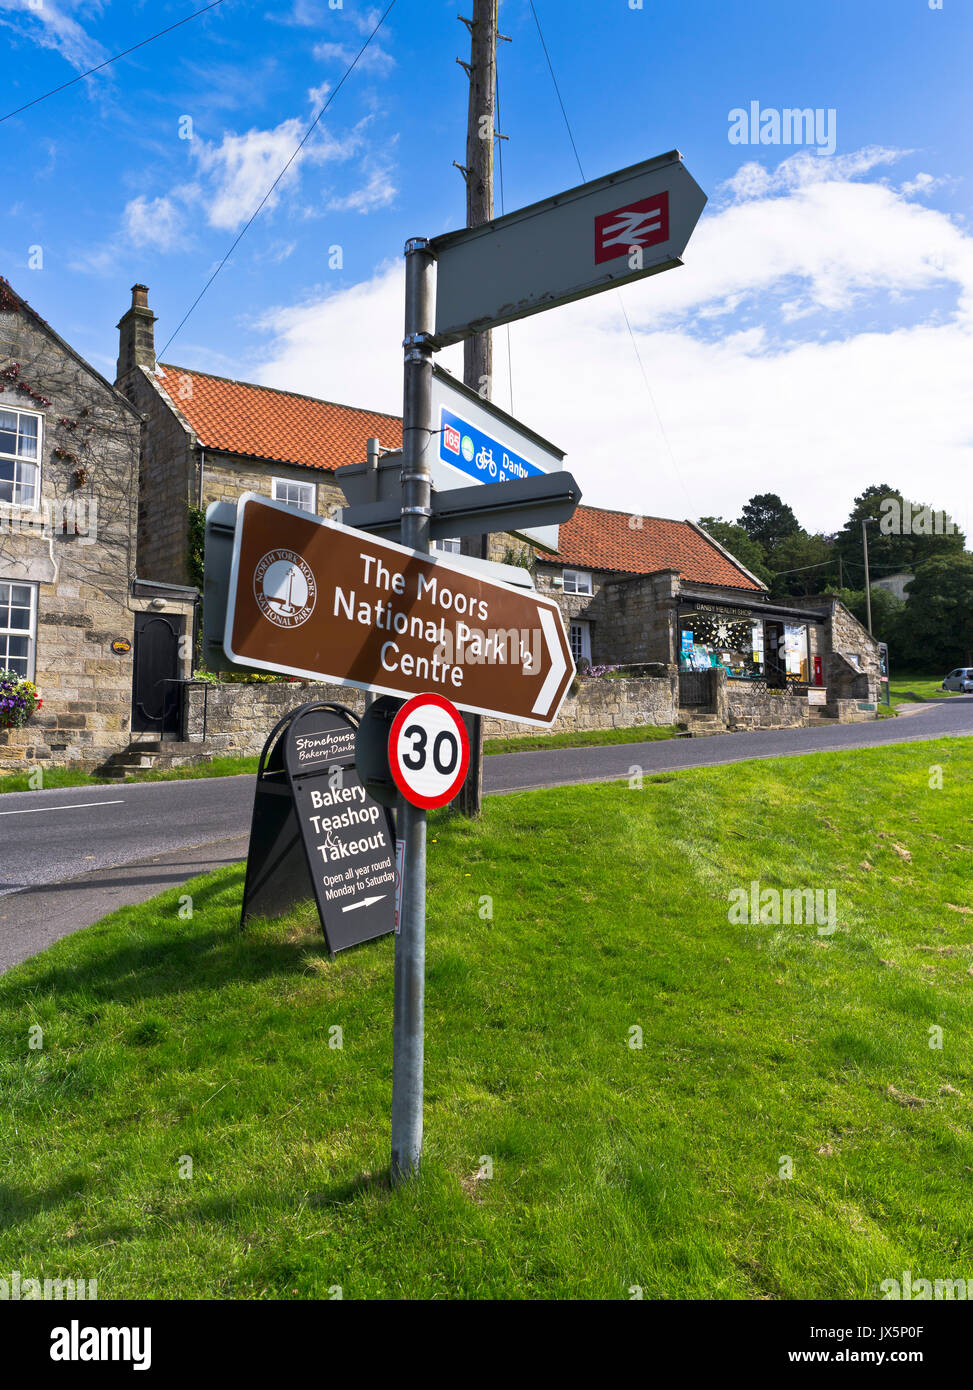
(584, 738)
(908, 690)
(558, 925)
(68, 777)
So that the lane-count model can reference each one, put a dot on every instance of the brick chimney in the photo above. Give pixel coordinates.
(136, 335)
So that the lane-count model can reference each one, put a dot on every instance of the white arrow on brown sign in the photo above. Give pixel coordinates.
(317, 599)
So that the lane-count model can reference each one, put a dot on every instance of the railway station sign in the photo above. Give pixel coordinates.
(619, 228)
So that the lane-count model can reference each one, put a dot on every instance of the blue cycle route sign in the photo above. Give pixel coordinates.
(481, 457)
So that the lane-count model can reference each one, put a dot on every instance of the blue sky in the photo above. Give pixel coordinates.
(819, 338)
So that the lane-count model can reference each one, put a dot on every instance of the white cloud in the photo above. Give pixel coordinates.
(374, 59)
(52, 24)
(153, 222)
(318, 95)
(815, 418)
(923, 184)
(753, 180)
(378, 191)
(239, 170)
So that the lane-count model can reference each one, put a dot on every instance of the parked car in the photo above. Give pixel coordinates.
(960, 679)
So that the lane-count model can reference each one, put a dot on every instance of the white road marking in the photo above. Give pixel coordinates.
(74, 806)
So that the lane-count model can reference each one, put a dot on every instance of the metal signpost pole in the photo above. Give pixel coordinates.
(410, 944)
(373, 453)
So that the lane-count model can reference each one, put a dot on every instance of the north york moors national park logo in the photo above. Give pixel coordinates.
(285, 588)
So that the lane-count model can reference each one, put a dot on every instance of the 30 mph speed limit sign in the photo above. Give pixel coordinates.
(429, 752)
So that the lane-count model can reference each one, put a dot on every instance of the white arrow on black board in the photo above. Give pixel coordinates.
(365, 902)
(558, 665)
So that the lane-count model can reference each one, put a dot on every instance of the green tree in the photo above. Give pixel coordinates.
(802, 564)
(734, 539)
(888, 613)
(896, 539)
(938, 618)
(767, 520)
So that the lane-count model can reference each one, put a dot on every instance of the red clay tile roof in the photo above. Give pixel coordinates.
(601, 540)
(240, 418)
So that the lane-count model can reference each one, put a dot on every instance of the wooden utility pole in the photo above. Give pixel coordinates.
(478, 349)
(482, 71)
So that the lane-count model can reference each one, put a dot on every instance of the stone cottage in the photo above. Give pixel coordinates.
(74, 616)
(642, 589)
(633, 590)
(209, 439)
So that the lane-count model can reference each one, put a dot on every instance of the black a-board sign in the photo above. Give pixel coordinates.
(317, 833)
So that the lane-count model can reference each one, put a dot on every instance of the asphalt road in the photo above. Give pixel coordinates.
(69, 856)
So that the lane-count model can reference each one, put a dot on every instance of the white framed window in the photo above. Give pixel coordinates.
(451, 546)
(302, 495)
(577, 582)
(581, 641)
(20, 458)
(18, 627)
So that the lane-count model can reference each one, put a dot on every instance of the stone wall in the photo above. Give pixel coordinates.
(750, 708)
(169, 484)
(851, 657)
(78, 549)
(241, 716)
(632, 619)
(227, 476)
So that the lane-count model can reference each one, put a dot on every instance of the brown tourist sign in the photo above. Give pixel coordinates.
(313, 598)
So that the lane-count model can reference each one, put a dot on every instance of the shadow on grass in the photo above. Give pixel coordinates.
(348, 1190)
(16, 1206)
(187, 960)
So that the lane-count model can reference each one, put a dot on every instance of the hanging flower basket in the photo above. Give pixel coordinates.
(18, 700)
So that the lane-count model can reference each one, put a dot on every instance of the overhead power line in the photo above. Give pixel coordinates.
(557, 89)
(256, 212)
(108, 61)
(621, 302)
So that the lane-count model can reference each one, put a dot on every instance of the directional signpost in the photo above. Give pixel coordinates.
(521, 505)
(313, 598)
(477, 442)
(616, 229)
(620, 228)
(323, 600)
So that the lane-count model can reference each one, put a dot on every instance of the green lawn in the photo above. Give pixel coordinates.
(611, 1166)
(583, 738)
(68, 777)
(907, 690)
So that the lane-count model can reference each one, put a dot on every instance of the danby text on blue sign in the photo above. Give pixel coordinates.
(470, 451)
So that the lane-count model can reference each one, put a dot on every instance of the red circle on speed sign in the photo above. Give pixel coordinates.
(429, 752)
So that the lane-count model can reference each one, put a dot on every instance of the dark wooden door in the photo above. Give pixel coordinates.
(776, 666)
(155, 697)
